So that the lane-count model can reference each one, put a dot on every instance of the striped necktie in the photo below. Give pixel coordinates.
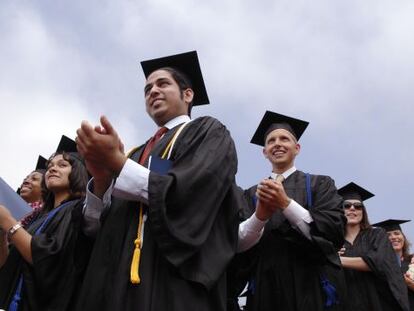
(280, 178)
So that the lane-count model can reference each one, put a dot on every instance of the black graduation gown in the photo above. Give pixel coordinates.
(404, 268)
(383, 288)
(189, 237)
(284, 268)
(60, 256)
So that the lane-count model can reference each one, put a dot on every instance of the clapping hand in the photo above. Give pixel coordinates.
(271, 197)
(409, 281)
(101, 148)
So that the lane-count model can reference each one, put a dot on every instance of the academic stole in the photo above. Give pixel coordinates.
(134, 271)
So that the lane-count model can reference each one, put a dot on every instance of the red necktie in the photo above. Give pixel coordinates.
(150, 144)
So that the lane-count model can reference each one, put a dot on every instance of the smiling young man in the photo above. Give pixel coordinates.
(170, 226)
(291, 232)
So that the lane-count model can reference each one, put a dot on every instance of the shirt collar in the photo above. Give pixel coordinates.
(285, 174)
(176, 121)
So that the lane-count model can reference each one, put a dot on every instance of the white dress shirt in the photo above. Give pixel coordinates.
(131, 184)
(251, 230)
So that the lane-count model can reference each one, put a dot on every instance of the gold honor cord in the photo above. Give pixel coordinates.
(134, 274)
(135, 279)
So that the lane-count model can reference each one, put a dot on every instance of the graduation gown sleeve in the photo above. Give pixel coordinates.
(382, 261)
(284, 254)
(60, 256)
(328, 226)
(404, 267)
(193, 208)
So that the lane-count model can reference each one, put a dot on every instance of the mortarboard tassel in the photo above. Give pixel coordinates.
(134, 274)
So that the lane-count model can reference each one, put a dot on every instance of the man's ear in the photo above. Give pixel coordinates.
(264, 153)
(188, 95)
(297, 149)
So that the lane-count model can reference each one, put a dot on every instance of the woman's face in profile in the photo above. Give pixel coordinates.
(31, 188)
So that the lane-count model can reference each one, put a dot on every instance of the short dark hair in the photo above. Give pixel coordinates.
(78, 179)
(43, 189)
(182, 80)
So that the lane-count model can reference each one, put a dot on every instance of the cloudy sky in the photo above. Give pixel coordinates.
(345, 66)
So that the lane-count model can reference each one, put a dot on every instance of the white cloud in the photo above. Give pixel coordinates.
(347, 67)
(38, 93)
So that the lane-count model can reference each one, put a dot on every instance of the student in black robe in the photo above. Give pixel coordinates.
(373, 276)
(45, 262)
(291, 231)
(33, 191)
(401, 247)
(169, 231)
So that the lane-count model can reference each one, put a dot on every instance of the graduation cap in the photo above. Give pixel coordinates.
(41, 163)
(352, 191)
(67, 145)
(186, 63)
(272, 121)
(391, 224)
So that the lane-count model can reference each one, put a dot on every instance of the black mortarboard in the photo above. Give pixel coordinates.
(41, 163)
(272, 121)
(352, 191)
(66, 144)
(186, 63)
(390, 224)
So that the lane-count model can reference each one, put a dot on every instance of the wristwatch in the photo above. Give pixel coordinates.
(13, 230)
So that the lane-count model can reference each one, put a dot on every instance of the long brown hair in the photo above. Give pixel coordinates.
(406, 248)
(365, 224)
(78, 179)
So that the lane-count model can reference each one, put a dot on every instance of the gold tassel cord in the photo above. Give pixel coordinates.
(167, 149)
(134, 271)
(135, 279)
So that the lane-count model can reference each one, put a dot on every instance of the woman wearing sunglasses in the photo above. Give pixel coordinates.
(373, 277)
(401, 247)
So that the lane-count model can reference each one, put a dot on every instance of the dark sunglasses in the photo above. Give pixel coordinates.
(356, 205)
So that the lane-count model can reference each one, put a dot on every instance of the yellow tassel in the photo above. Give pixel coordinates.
(134, 271)
(134, 274)
(135, 279)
